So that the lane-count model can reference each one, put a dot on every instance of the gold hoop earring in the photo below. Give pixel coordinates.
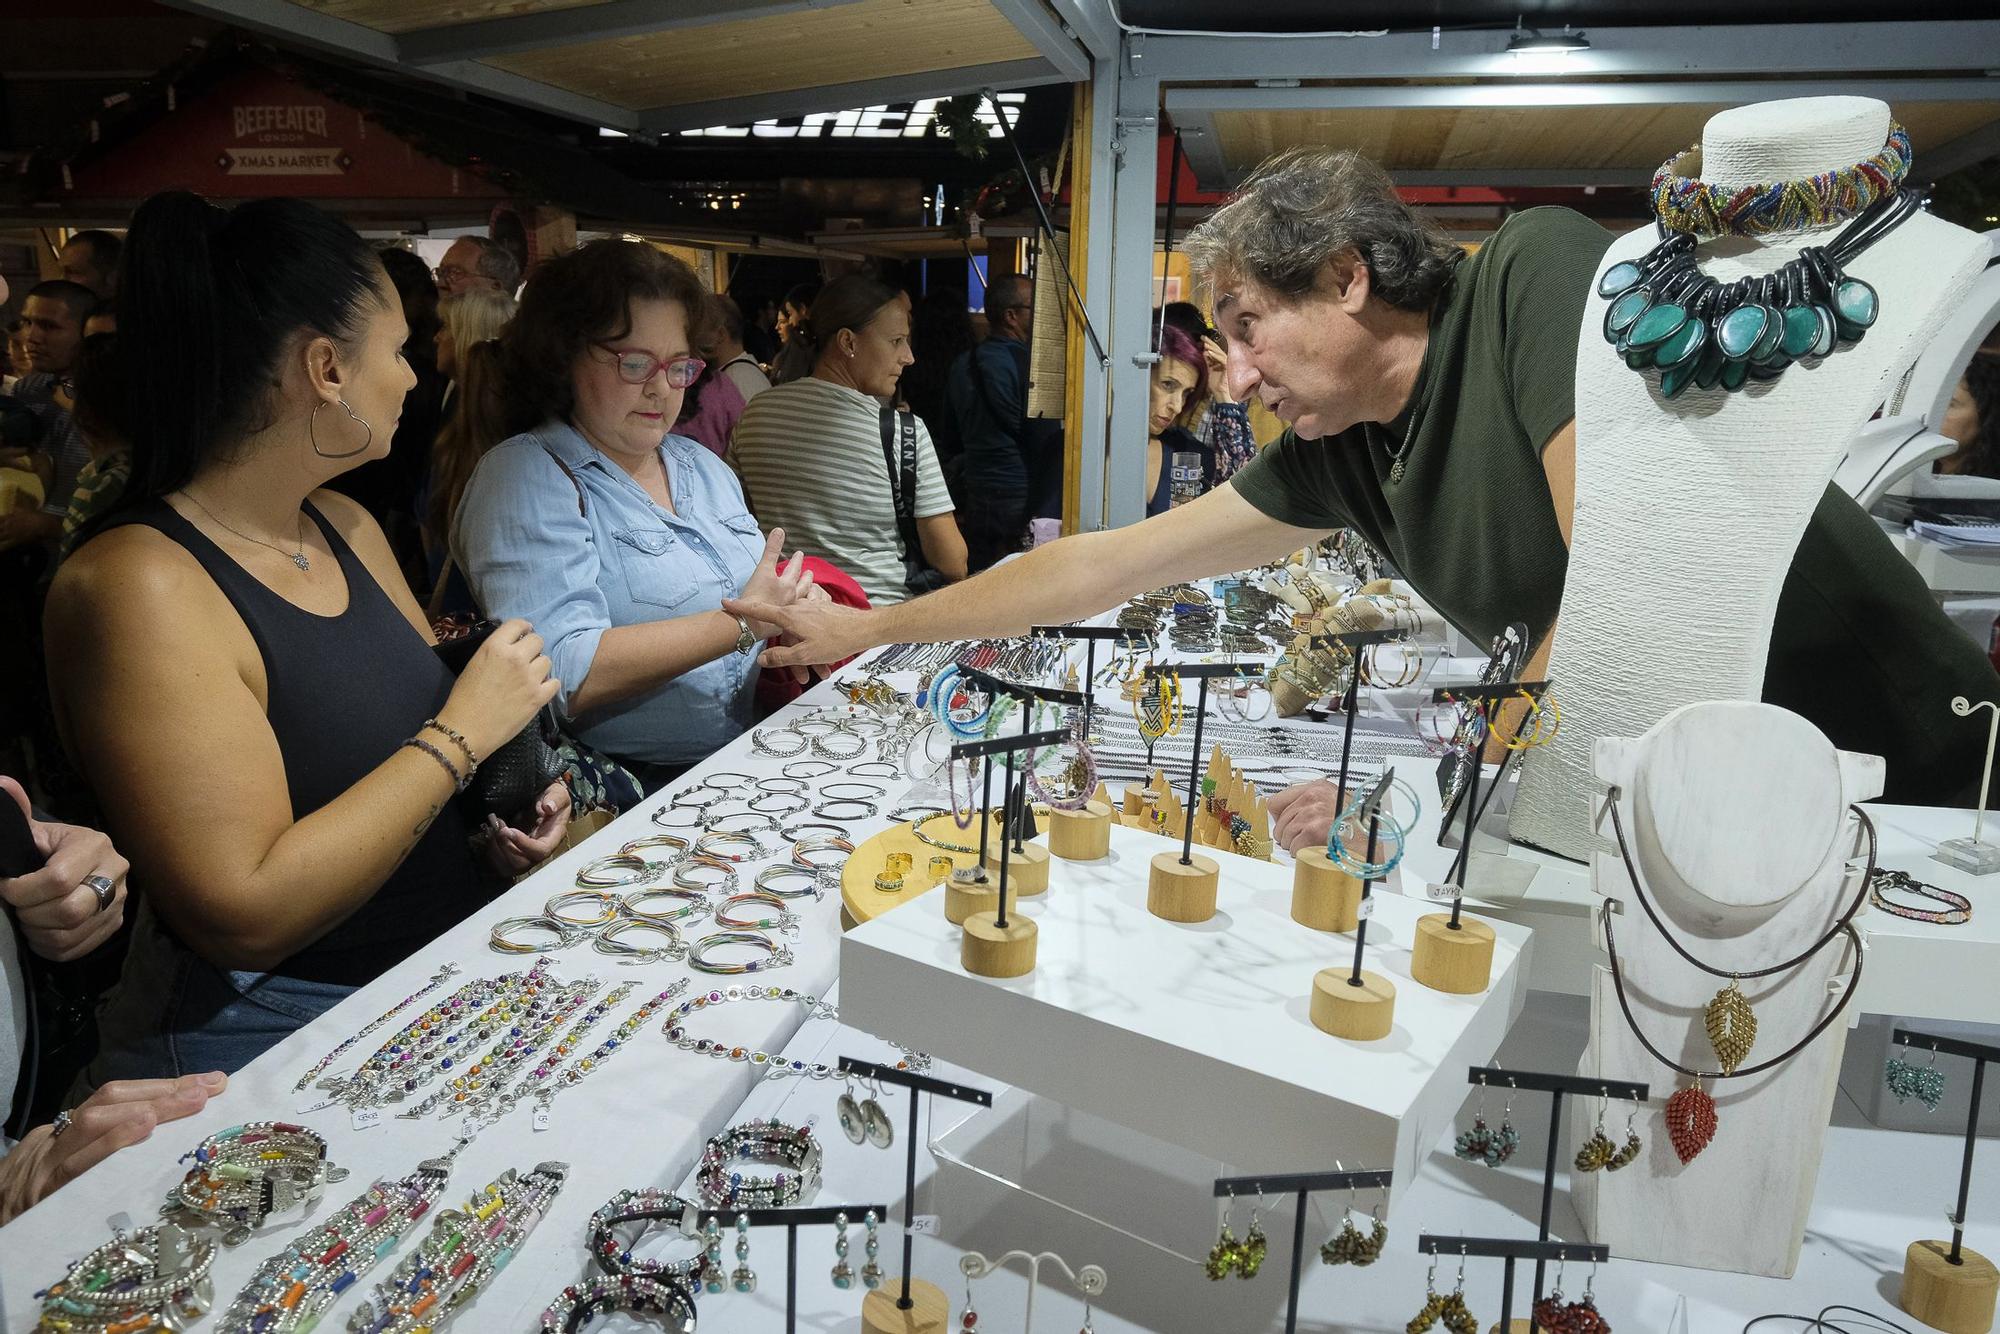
(312, 435)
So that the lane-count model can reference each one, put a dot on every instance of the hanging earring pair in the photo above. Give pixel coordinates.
(1446, 1308)
(864, 1121)
(1349, 1246)
(1482, 1144)
(1599, 1154)
(1230, 1256)
(1907, 1079)
(1556, 1316)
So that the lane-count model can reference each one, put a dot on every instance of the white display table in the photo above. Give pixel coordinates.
(1195, 1035)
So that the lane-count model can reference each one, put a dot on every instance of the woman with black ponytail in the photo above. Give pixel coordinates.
(240, 669)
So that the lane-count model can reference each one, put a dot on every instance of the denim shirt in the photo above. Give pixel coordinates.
(623, 561)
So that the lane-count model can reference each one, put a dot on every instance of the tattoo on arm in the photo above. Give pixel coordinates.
(423, 827)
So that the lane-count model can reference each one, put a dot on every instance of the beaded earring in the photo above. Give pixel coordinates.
(843, 1273)
(871, 1271)
(1349, 1246)
(848, 1112)
(1250, 1255)
(1907, 1079)
(1222, 1255)
(1629, 1153)
(1506, 1139)
(711, 1256)
(743, 1278)
(1598, 1150)
(1474, 1145)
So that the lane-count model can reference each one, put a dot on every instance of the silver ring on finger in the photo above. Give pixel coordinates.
(60, 1124)
(102, 887)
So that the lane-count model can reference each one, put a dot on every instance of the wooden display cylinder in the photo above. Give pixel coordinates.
(1081, 835)
(1324, 897)
(1180, 893)
(1027, 868)
(1459, 962)
(929, 1313)
(1360, 1014)
(1956, 1298)
(991, 950)
(964, 896)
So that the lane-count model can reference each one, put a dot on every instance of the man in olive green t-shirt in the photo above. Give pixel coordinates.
(1431, 404)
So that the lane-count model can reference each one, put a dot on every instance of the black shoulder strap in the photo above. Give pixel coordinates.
(903, 478)
(571, 474)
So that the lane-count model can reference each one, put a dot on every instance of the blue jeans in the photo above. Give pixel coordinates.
(174, 1013)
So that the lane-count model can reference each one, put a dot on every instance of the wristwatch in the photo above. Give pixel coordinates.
(745, 640)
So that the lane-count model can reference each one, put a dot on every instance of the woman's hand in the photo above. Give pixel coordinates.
(119, 1115)
(60, 915)
(772, 586)
(1217, 358)
(1302, 815)
(502, 689)
(514, 851)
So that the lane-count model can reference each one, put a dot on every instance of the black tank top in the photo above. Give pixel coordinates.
(345, 691)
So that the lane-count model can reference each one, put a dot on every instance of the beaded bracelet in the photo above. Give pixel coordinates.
(750, 821)
(609, 941)
(804, 850)
(863, 810)
(714, 843)
(435, 1027)
(243, 1175)
(724, 1185)
(579, 1303)
(823, 746)
(1956, 912)
(786, 920)
(460, 1255)
(437, 980)
(936, 842)
(675, 1029)
(155, 1278)
(787, 784)
(684, 875)
(532, 1029)
(606, 906)
(620, 870)
(768, 879)
(694, 903)
(477, 1101)
(562, 937)
(458, 1049)
(697, 957)
(764, 742)
(457, 738)
(582, 1067)
(291, 1289)
(647, 1206)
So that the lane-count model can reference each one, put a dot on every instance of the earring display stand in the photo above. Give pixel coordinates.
(1183, 888)
(1031, 861)
(1090, 1280)
(1454, 954)
(1952, 1288)
(1505, 1248)
(916, 1307)
(997, 943)
(1361, 1005)
(1533, 1081)
(1092, 636)
(1301, 1184)
(820, 1215)
(1324, 896)
(1974, 855)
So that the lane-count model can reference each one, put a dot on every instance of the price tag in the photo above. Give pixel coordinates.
(1442, 893)
(309, 1104)
(1364, 910)
(367, 1118)
(541, 1119)
(930, 1225)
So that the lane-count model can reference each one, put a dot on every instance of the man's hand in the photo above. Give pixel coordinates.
(59, 914)
(119, 1115)
(811, 633)
(1303, 814)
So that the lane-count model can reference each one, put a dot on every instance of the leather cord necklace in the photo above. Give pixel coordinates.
(1731, 1024)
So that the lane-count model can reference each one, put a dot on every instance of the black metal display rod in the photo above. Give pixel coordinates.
(1092, 636)
(1001, 745)
(1534, 1081)
(821, 1215)
(917, 1085)
(1046, 694)
(1492, 695)
(1204, 673)
(1979, 1053)
(1509, 1250)
(1301, 1184)
(1371, 807)
(1355, 642)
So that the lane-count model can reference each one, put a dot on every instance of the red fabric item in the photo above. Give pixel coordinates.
(776, 688)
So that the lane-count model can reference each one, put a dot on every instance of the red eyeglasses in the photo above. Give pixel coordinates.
(636, 366)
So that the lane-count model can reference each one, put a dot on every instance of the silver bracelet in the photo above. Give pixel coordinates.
(748, 849)
(765, 743)
(867, 810)
(874, 769)
(792, 803)
(750, 820)
(808, 768)
(694, 903)
(697, 957)
(821, 748)
(671, 843)
(561, 937)
(789, 784)
(741, 781)
(801, 829)
(608, 942)
(863, 792)
(681, 798)
(693, 818)
(768, 880)
(620, 870)
(683, 875)
(803, 849)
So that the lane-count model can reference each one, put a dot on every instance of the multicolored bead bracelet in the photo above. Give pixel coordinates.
(157, 1278)
(243, 1175)
(577, 1304)
(724, 1185)
(676, 1031)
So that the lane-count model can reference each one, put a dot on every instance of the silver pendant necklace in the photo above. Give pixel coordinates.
(298, 557)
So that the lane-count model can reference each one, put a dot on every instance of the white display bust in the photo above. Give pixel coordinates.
(1688, 510)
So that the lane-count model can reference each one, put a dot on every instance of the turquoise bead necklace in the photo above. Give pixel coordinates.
(1666, 314)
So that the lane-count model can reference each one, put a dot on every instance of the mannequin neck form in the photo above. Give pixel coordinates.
(1791, 139)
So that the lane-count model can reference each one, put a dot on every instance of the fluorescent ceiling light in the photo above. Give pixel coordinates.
(1534, 42)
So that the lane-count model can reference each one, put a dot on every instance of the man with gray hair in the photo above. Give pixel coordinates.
(475, 263)
(1430, 399)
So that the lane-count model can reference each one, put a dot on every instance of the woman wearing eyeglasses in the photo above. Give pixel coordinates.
(619, 538)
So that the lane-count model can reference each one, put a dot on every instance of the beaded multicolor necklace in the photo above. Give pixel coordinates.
(1666, 314)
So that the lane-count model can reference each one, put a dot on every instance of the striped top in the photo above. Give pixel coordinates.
(810, 455)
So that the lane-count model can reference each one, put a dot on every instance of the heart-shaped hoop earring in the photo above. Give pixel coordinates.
(312, 433)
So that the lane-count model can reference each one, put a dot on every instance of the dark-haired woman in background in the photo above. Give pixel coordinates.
(1179, 389)
(1972, 418)
(240, 670)
(618, 539)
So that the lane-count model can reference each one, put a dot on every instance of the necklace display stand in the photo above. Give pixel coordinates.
(1737, 819)
(1183, 888)
(1324, 895)
(1358, 1004)
(1688, 511)
(1301, 1184)
(914, 1307)
(1974, 855)
(1454, 953)
(1002, 943)
(1952, 1288)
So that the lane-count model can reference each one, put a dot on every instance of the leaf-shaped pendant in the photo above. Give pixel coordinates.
(1690, 1121)
(1732, 1027)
